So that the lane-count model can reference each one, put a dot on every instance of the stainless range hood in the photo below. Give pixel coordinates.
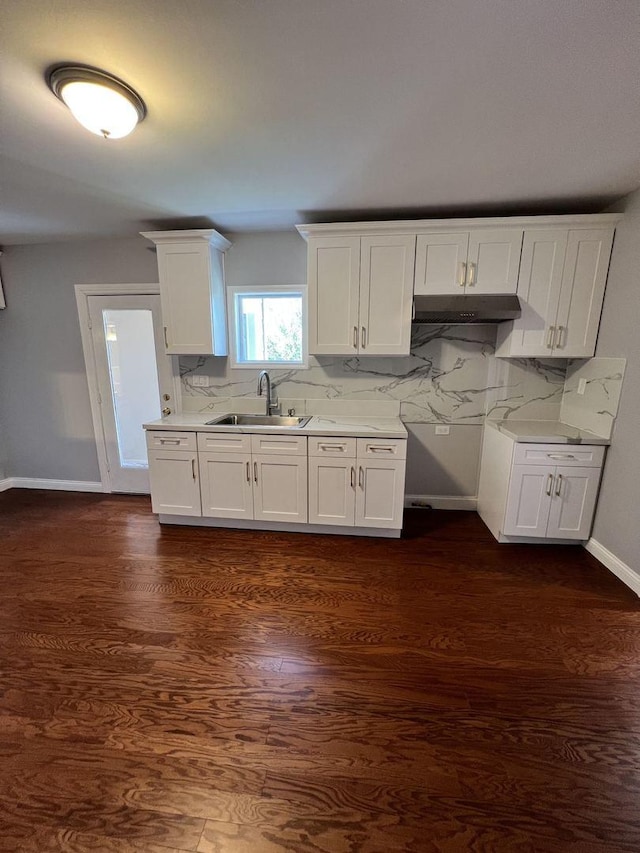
(476, 308)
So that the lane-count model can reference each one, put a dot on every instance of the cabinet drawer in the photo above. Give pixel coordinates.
(294, 445)
(585, 455)
(166, 440)
(380, 448)
(221, 442)
(340, 447)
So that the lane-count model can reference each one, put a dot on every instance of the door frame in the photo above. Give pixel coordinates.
(83, 292)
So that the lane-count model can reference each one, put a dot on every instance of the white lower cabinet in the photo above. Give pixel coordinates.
(336, 482)
(175, 486)
(360, 484)
(538, 491)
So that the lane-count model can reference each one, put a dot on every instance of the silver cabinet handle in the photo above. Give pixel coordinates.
(363, 337)
(549, 485)
(471, 278)
(353, 477)
(558, 342)
(561, 456)
(166, 345)
(340, 447)
(550, 335)
(255, 471)
(169, 441)
(463, 274)
(193, 468)
(558, 485)
(248, 474)
(355, 337)
(361, 477)
(413, 309)
(380, 448)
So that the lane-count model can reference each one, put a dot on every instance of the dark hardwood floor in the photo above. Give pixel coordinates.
(246, 692)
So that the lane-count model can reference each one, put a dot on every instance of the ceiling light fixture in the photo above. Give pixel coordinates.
(99, 101)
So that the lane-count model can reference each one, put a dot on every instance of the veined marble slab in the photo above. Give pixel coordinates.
(526, 388)
(596, 409)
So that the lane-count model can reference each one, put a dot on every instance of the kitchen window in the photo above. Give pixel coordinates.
(268, 326)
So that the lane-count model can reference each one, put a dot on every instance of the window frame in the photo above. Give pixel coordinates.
(265, 290)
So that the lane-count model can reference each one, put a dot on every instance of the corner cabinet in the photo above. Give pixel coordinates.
(192, 294)
(561, 286)
(538, 491)
(360, 294)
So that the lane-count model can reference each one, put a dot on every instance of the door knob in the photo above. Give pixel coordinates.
(166, 397)
(166, 411)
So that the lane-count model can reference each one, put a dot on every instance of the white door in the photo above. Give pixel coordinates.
(334, 286)
(441, 263)
(134, 380)
(226, 485)
(529, 500)
(175, 487)
(332, 489)
(539, 283)
(386, 294)
(574, 501)
(380, 493)
(280, 488)
(582, 292)
(494, 260)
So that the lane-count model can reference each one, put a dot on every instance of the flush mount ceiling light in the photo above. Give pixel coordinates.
(99, 101)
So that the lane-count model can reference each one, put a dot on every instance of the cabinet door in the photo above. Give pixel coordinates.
(441, 261)
(173, 475)
(582, 292)
(334, 286)
(380, 493)
(539, 283)
(332, 490)
(494, 260)
(280, 488)
(226, 485)
(529, 500)
(185, 293)
(574, 500)
(386, 294)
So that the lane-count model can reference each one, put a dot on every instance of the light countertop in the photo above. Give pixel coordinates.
(318, 425)
(546, 432)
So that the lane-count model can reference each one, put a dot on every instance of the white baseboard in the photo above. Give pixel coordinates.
(467, 502)
(621, 570)
(55, 485)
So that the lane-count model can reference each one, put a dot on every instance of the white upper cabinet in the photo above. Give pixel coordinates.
(482, 261)
(191, 271)
(360, 294)
(561, 288)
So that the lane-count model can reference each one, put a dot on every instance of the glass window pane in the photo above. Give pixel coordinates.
(269, 327)
(134, 380)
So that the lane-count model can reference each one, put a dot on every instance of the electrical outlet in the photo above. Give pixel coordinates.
(582, 386)
(442, 430)
(199, 381)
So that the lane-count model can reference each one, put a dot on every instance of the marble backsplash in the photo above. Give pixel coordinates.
(450, 377)
(594, 409)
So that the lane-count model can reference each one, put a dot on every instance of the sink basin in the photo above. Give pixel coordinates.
(260, 420)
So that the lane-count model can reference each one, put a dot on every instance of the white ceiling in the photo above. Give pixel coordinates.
(263, 113)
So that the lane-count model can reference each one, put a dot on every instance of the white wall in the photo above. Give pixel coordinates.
(617, 523)
(44, 398)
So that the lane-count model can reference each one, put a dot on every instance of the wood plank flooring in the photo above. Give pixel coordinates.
(242, 692)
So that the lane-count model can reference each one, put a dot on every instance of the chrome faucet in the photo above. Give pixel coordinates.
(271, 402)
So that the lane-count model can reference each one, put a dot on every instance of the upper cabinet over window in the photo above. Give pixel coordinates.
(191, 271)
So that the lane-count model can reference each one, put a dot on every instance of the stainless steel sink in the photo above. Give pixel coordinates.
(260, 420)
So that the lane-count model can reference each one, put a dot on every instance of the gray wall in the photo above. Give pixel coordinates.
(44, 399)
(617, 523)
